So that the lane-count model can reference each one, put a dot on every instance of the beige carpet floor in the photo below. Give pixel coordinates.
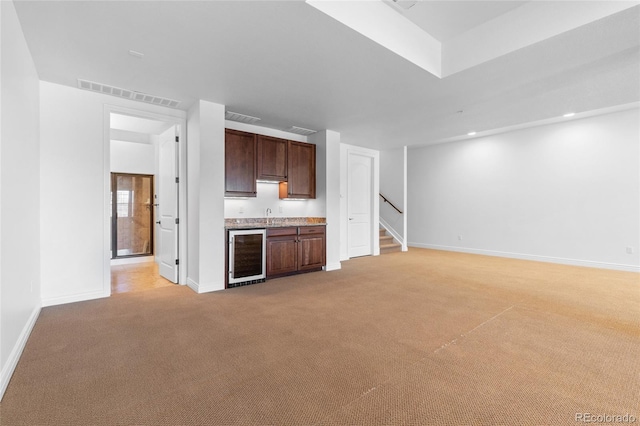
(418, 338)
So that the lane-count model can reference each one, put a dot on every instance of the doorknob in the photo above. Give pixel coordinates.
(350, 218)
(158, 222)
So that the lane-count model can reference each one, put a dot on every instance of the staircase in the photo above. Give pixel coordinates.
(387, 243)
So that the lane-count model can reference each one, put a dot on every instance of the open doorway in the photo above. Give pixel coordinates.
(138, 169)
(133, 277)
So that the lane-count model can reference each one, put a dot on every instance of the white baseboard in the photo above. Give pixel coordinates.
(61, 300)
(333, 266)
(192, 284)
(534, 257)
(204, 288)
(10, 366)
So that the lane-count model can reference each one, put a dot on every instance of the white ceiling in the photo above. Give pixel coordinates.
(289, 64)
(447, 19)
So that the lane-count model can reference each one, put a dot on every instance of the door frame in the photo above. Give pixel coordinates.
(345, 151)
(180, 120)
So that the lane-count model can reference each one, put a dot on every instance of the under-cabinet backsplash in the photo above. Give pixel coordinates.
(273, 222)
(268, 198)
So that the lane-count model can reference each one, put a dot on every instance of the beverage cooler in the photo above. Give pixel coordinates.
(247, 257)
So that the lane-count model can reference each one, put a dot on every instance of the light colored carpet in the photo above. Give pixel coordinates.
(418, 338)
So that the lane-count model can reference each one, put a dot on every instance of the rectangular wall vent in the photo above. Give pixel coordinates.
(241, 118)
(127, 94)
(301, 130)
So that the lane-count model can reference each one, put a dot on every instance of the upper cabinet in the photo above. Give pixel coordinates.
(250, 157)
(301, 171)
(272, 158)
(240, 164)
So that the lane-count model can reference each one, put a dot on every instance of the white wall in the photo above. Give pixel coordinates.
(328, 190)
(193, 198)
(268, 197)
(74, 191)
(205, 165)
(19, 193)
(133, 157)
(392, 178)
(567, 193)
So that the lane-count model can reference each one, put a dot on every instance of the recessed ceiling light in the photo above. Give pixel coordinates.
(569, 114)
(471, 133)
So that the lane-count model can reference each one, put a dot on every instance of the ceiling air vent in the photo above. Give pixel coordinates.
(301, 130)
(127, 94)
(241, 118)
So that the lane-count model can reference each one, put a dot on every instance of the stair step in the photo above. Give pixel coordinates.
(390, 245)
(390, 248)
(386, 239)
(387, 243)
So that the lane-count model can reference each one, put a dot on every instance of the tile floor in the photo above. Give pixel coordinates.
(136, 277)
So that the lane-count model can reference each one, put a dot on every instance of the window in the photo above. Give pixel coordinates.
(125, 203)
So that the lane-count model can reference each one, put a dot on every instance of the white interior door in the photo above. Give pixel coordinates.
(360, 206)
(168, 205)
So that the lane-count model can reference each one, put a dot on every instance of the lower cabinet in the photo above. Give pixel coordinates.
(282, 251)
(311, 247)
(292, 250)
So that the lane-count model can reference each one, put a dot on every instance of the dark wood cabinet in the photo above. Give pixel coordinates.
(240, 164)
(301, 171)
(311, 248)
(272, 158)
(282, 251)
(250, 157)
(293, 250)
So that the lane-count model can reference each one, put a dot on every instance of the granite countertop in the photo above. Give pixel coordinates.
(272, 222)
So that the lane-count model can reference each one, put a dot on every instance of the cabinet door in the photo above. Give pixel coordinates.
(239, 164)
(272, 158)
(311, 248)
(301, 174)
(282, 255)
